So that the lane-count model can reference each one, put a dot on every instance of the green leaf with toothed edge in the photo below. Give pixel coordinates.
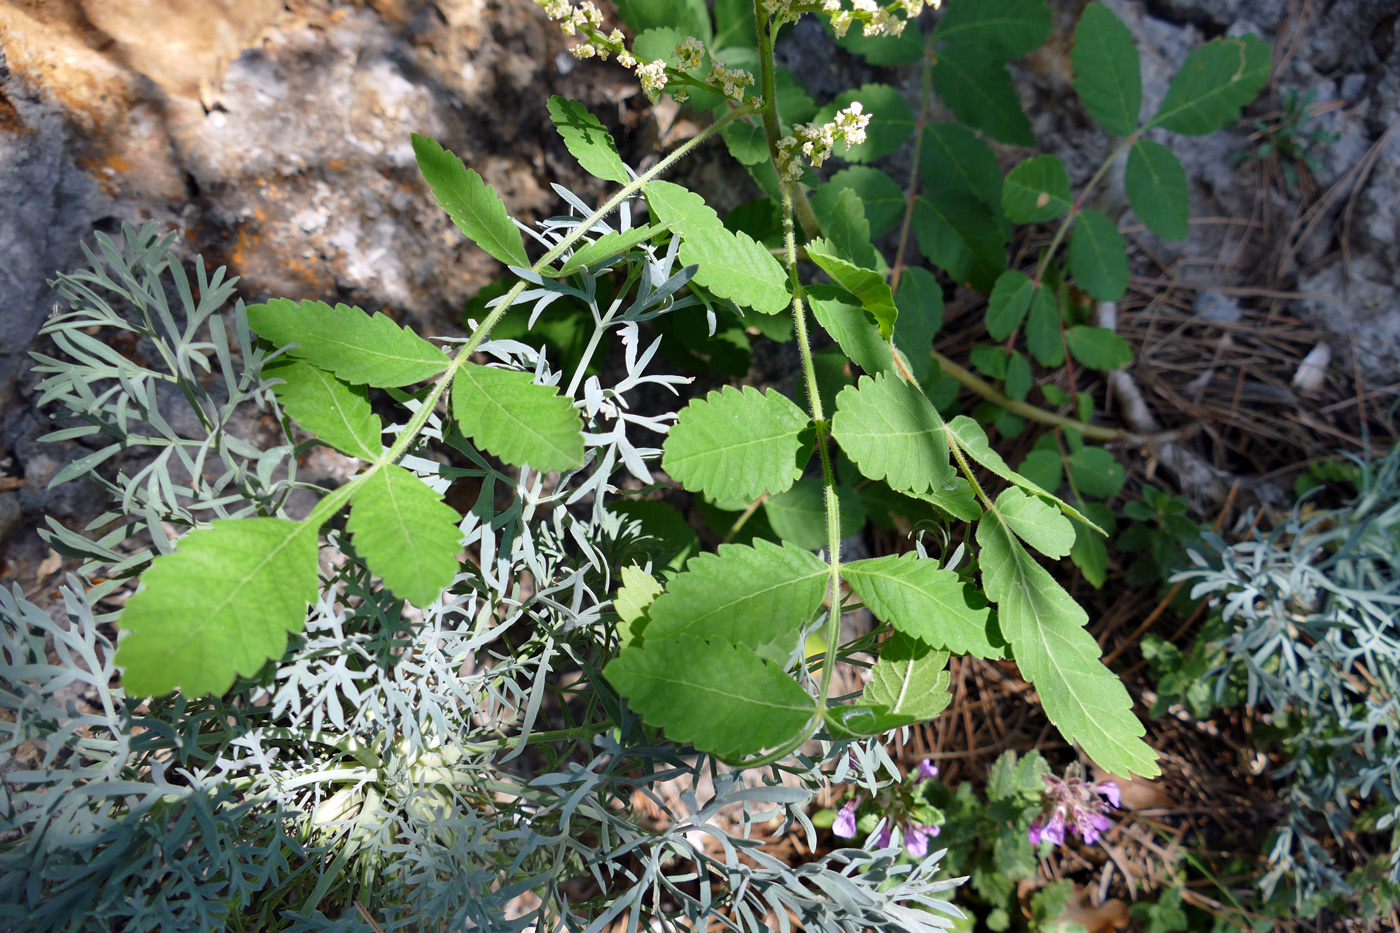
(587, 139)
(638, 591)
(869, 286)
(920, 598)
(849, 232)
(1045, 628)
(1107, 70)
(508, 414)
(406, 533)
(972, 441)
(358, 348)
(837, 311)
(892, 432)
(219, 606)
(1036, 522)
(757, 596)
(719, 697)
(910, 680)
(737, 444)
(473, 206)
(334, 411)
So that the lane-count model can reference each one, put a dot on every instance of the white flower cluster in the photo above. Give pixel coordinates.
(690, 53)
(653, 78)
(814, 141)
(570, 17)
(875, 20)
(731, 80)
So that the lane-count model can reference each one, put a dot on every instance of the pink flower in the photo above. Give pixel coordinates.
(1110, 792)
(927, 770)
(1054, 831)
(916, 838)
(883, 833)
(1037, 831)
(845, 825)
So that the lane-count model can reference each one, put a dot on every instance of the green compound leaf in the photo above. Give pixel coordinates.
(730, 264)
(757, 596)
(869, 286)
(921, 599)
(849, 231)
(972, 440)
(960, 235)
(1212, 85)
(979, 91)
(507, 414)
(219, 606)
(855, 332)
(360, 349)
(719, 697)
(1008, 304)
(1097, 258)
(893, 433)
(335, 412)
(1107, 71)
(891, 121)
(1043, 329)
(1157, 189)
(736, 444)
(473, 206)
(954, 158)
(1098, 347)
(920, 304)
(1037, 190)
(798, 516)
(1036, 522)
(910, 680)
(881, 195)
(1002, 29)
(587, 139)
(638, 591)
(1045, 629)
(407, 535)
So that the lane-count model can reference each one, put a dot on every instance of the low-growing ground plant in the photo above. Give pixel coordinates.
(275, 706)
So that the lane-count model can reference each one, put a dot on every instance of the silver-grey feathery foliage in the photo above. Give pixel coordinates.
(1315, 607)
(383, 767)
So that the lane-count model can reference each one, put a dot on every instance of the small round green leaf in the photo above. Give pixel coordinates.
(1037, 190)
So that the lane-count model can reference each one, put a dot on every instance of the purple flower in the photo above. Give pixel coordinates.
(1091, 825)
(1037, 831)
(1054, 831)
(927, 770)
(883, 833)
(916, 837)
(845, 825)
(1110, 792)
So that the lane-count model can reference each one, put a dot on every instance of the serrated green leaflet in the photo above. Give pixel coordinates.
(605, 247)
(953, 158)
(638, 591)
(1096, 472)
(1157, 189)
(217, 607)
(334, 411)
(587, 139)
(1212, 85)
(958, 234)
(1097, 258)
(1036, 522)
(891, 121)
(746, 142)
(972, 441)
(954, 497)
(920, 304)
(470, 202)
(1037, 190)
(1043, 329)
(1045, 628)
(979, 91)
(1098, 347)
(798, 516)
(879, 193)
(757, 596)
(910, 680)
(893, 433)
(736, 444)
(1008, 304)
(360, 349)
(730, 264)
(921, 599)
(869, 286)
(721, 698)
(406, 534)
(1107, 72)
(1001, 29)
(857, 335)
(507, 414)
(849, 231)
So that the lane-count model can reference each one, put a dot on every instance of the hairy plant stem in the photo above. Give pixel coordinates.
(332, 502)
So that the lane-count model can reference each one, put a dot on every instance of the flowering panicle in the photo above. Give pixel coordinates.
(1076, 805)
(814, 141)
(731, 80)
(874, 19)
